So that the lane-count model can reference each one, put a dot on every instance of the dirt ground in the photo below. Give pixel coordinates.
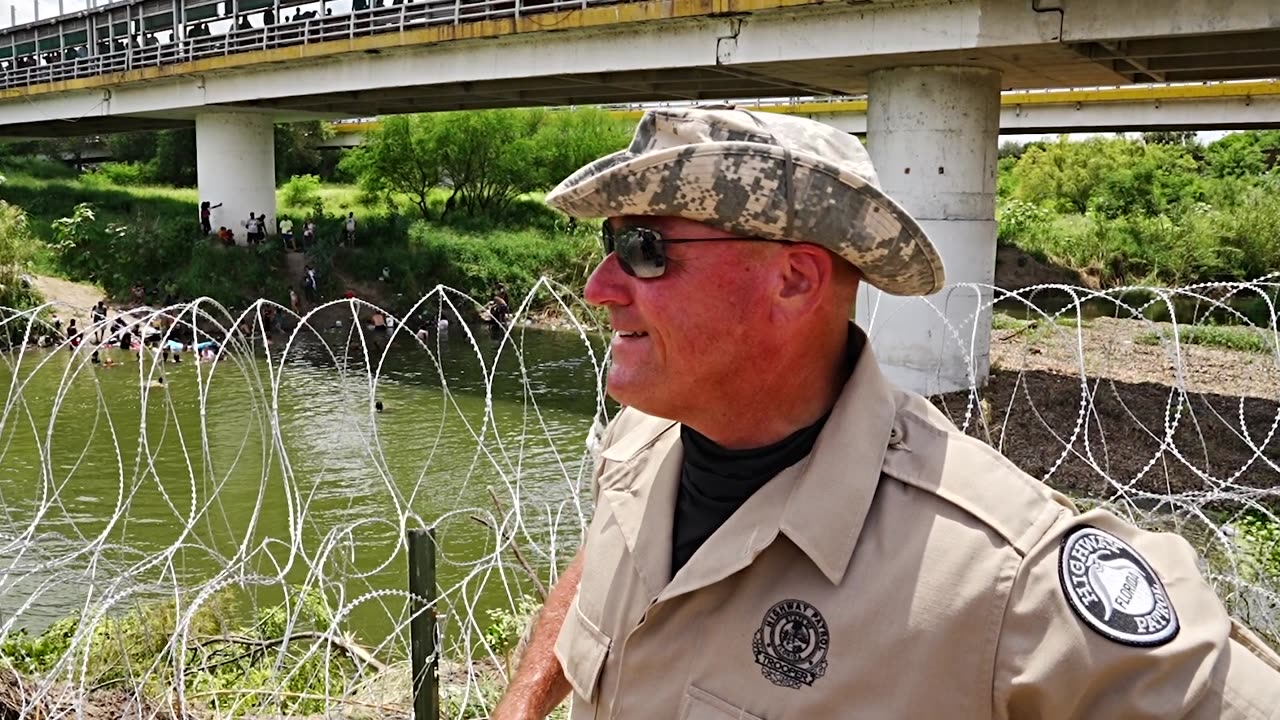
(72, 299)
(1120, 412)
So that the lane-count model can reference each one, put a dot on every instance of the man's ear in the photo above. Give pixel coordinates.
(805, 272)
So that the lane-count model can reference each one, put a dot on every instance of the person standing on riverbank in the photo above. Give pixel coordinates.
(286, 234)
(781, 533)
(349, 230)
(206, 209)
(98, 317)
(309, 285)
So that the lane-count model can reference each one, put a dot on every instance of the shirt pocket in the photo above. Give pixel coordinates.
(582, 648)
(701, 705)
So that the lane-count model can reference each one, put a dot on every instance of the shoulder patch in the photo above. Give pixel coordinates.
(1113, 590)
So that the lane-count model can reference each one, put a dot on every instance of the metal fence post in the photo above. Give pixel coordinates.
(422, 627)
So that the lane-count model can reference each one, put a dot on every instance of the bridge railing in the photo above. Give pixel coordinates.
(393, 18)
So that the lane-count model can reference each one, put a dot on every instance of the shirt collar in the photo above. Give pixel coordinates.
(830, 500)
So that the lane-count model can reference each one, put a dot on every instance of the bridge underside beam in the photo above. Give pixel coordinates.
(1235, 55)
(1225, 113)
(695, 83)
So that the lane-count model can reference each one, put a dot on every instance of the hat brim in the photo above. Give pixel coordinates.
(759, 190)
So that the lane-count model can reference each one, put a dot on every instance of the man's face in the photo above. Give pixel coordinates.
(687, 338)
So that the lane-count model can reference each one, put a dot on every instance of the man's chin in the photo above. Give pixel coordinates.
(633, 392)
(649, 403)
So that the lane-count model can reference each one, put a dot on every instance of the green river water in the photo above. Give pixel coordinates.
(258, 472)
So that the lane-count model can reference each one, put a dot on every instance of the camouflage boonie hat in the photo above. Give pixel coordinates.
(764, 175)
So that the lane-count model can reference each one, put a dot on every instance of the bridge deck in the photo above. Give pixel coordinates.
(157, 63)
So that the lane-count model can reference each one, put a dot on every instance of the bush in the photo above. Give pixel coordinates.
(302, 191)
(37, 167)
(1017, 219)
(1253, 233)
(245, 664)
(474, 263)
(118, 173)
(16, 250)
(165, 255)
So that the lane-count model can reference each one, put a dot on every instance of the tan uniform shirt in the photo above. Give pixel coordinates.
(902, 571)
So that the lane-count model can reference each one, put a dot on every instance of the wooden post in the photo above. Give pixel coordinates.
(422, 628)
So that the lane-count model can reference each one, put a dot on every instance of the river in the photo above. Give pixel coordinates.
(269, 468)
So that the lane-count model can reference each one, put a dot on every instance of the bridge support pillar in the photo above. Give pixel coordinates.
(236, 166)
(933, 134)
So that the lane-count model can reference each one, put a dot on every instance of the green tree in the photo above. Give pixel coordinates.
(486, 159)
(1063, 175)
(168, 156)
(139, 147)
(1242, 154)
(1155, 179)
(1011, 149)
(569, 140)
(1169, 137)
(297, 149)
(174, 162)
(399, 156)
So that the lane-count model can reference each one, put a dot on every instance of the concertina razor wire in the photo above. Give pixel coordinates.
(225, 535)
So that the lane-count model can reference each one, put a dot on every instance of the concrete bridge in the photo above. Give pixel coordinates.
(932, 71)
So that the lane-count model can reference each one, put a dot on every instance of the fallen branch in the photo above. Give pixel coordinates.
(350, 648)
(515, 549)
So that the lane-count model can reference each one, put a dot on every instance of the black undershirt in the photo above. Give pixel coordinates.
(716, 481)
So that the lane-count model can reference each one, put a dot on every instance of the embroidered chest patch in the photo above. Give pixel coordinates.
(1113, 589)
(791, 645)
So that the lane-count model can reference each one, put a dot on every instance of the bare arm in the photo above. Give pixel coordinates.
(539, 684)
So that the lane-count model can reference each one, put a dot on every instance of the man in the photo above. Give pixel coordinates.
(286, 233)
(349, 230)
(98, 317)
(779, 533)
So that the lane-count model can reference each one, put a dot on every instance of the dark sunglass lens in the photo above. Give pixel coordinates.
(640, 252)
(651, 256)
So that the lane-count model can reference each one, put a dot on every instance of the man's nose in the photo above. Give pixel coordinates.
(608, 284)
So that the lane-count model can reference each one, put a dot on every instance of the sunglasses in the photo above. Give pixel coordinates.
(642, 251)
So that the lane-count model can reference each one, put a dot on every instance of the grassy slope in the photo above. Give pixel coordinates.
(473, 255)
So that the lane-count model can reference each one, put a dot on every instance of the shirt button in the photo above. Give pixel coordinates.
(895, 435)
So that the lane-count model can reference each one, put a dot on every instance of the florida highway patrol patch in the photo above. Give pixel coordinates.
(791, 645)
(1113, 589)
